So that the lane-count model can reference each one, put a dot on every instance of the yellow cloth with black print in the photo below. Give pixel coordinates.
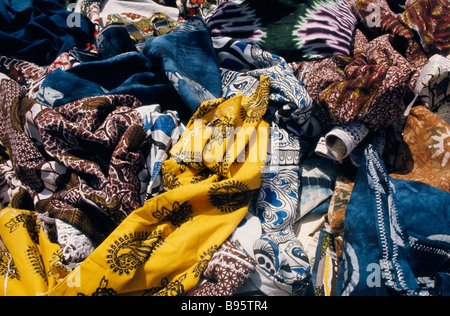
(163, 247)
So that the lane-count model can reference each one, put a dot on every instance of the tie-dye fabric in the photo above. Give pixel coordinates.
(292, 29)
(399, 245)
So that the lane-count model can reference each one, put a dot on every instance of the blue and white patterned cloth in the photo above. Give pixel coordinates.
(242, 66)
(283, 266)
(397, 235)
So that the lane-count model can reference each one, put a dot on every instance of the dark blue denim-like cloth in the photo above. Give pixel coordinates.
(183, 61)
(187, 57)
(37, 30)
(397, 236)
(129, 73)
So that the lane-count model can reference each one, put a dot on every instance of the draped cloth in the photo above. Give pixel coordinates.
(205, 201)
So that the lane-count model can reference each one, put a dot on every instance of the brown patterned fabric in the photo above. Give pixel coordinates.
(79, 162)
(425, 154)
(376, 83)
(339, 201)
(226, 272)
(369, 87)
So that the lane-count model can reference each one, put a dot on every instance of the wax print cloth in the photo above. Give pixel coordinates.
(52, 175)
(224, 147)
(405, 248)
(209, 198)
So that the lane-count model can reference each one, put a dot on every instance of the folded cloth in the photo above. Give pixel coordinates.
(425, 154)
(114, 40)
(400, 243)
(76, 246)
(141, 28)
(89, 162)
(343, 139)
(338, 204)
(296, 30)
(204, 204)
(376, 68)
(141, 7)
(37, 31)
(242, 65)
(154, 76)
(326, 265)
(423, 26)
(429, 19)
(190, 8)
(318, 178)
(186, 55)
(129, 73)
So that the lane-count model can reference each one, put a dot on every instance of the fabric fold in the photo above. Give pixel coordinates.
(204, 203)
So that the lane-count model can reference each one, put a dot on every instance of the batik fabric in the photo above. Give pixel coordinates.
(205, 201)
(45, 169)
(228, 269)
(425, 154)
(267, 232)
(399, 244)
(242, 64)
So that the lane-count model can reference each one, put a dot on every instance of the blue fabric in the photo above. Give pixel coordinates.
(114, 40)
(129, 73)
(187, 57)
(397, 235)
(182, 61)
(37, 30)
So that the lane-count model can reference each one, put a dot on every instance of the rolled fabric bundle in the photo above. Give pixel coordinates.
(341, 140)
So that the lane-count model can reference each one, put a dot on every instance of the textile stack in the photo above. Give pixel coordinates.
(225, 148)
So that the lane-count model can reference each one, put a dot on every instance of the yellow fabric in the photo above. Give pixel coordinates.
(163, 247)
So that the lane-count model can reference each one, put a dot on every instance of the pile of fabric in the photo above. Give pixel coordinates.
(225, 148)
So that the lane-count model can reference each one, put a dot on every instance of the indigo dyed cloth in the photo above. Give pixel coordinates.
(175, 68)
(203, 204)
(37, 31)
(242, 66)
(267, 231)
(187, 57)
(129, 73)
(397, 235)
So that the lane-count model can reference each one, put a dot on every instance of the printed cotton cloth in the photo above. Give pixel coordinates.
(189, 147)
(292, 29)
(425, 154)
(282, 263)
(228, 269)
(156, 76)
(205, 201)
(397, 245)
(94, 190)
(242, 64)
